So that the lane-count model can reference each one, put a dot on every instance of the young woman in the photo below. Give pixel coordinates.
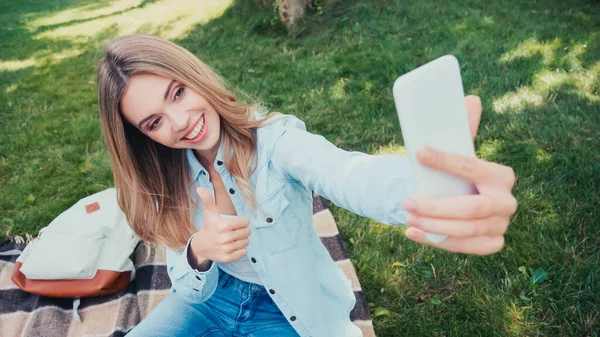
(229, 193)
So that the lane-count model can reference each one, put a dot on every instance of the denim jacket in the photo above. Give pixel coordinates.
(284, 248)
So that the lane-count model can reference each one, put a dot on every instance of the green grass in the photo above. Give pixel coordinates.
(536, 65)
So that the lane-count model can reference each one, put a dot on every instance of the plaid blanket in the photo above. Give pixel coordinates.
(24, 314)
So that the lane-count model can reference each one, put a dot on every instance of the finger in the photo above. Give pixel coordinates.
(493, 226)
(238, 234)
(238, 254)
(473, 169)
(481, 245)
(473, 105)
(243, 233)
(210, 207)
(466, 207)
(234, 223)
(236, 245)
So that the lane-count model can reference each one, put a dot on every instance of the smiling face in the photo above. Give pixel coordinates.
(171, 114)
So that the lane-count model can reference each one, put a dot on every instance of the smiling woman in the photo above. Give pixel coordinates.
(149, 99)
(251, 263)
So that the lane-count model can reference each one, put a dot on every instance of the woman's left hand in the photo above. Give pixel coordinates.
(475, 224)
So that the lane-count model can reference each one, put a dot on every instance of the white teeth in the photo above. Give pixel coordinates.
(196, 130)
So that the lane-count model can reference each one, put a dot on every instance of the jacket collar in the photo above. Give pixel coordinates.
(197, 169)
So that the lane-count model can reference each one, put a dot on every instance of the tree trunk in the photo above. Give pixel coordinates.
(290, 11)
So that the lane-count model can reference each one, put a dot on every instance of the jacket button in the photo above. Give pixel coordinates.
(219, 162)
(253, 260)
(293, 318)
(198, 277)
(272, 291)
(196, 289)
(269, 220)
(232, 191)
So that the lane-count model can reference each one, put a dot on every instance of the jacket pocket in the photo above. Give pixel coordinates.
(277, 224)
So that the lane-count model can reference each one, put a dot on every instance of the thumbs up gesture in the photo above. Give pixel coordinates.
(220, 239)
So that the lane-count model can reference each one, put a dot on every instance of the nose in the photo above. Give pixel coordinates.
(180, 119)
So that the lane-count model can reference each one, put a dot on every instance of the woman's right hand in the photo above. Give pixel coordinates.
(220, 239)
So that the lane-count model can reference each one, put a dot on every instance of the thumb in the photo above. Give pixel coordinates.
(210, 208)
(473, 104)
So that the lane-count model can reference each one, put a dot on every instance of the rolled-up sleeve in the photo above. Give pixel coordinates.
(195, 285)
(374, 186)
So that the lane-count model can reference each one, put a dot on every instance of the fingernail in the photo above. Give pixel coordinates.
(410, 233)
(409, 205)
(413, 221)
(426, 154)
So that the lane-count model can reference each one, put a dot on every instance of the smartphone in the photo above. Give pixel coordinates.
(431, 108)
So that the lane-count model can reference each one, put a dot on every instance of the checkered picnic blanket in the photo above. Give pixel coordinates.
(28, 315)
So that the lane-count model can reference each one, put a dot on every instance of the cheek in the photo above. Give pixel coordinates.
(214, 118)
(215, 126)
(163, 137)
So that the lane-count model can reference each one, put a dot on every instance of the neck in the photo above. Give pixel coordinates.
(207, 157)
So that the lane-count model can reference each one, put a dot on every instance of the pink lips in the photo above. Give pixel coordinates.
(201, 135)
(191, 128)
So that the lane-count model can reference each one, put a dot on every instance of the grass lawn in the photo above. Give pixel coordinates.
(536, 65)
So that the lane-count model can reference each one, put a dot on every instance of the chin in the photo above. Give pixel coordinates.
(208, 143)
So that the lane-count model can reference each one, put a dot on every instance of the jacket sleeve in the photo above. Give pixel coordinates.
(195, 285)
(374, 186)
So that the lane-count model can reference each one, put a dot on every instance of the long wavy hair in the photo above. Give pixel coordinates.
(152, 180)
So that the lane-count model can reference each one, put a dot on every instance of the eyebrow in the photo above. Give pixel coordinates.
(168, 89)
(164, 99)
(144, 121)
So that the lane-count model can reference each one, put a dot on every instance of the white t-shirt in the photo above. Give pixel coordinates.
(241, 269)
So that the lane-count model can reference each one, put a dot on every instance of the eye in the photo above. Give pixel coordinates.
(154, 124)
(179, 93)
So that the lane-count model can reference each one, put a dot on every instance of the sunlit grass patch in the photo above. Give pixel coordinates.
(168, 19)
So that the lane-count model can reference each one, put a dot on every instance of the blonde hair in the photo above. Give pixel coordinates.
(153, 180)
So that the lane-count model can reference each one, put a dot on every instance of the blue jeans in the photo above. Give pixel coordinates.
(236, 309)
